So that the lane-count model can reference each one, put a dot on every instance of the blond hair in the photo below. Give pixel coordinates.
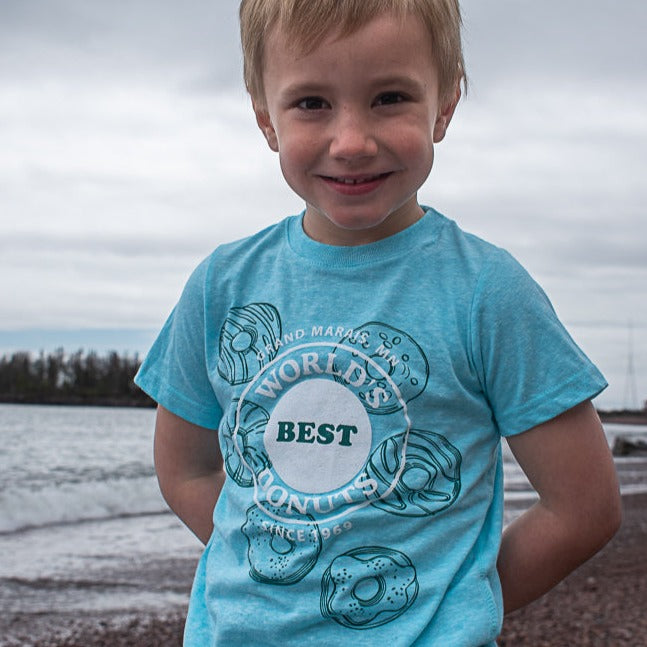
(308, 22)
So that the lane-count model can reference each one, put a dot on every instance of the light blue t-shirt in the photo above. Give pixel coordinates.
(360, 395)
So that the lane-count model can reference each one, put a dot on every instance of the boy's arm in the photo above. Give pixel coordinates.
(189, 469)
(568, 462)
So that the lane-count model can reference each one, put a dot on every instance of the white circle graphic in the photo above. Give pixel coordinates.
(318, 436)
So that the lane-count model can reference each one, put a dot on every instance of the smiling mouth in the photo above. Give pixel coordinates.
(353, 181)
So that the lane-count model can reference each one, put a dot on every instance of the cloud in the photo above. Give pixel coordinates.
(108, 184)
(130, 151)
(567, 40)
(151, 41)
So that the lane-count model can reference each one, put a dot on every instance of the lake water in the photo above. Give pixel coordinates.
(83, 527)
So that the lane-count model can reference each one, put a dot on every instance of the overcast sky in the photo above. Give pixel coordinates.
(128, 151)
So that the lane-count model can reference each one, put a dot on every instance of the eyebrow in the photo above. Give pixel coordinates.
(303, 89)
(314, 88)
(398, 81)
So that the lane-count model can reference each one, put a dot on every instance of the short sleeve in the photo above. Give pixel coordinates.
(174, 372)
(529, 367)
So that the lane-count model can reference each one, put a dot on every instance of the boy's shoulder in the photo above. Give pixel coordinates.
(231, 257)
(271, 235)
(469, 248)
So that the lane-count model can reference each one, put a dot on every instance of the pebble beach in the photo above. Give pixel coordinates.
(90, 554)
(602, 604)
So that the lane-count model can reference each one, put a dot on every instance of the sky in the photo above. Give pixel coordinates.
(128, 151)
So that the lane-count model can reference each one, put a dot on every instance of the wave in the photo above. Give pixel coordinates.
(70, 503)
(77, 502)
(633, 488)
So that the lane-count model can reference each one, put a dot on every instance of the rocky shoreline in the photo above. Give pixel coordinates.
(602, 604)
(624, 417)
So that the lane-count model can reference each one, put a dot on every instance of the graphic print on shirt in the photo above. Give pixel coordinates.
(244, 335)
(396, 355)
(279, 554)
(368, 587)
(250, 421)
(430, 480)
(320, 428)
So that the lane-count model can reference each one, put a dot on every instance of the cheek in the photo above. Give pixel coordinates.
(418, 153)
(297, 153)
(414, 143)
(295, 159)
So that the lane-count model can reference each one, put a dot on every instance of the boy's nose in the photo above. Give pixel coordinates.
(352, 137)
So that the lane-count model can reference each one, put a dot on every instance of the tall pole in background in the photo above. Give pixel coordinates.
(630, 399)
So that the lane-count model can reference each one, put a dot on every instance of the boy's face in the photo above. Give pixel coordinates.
(354, 123)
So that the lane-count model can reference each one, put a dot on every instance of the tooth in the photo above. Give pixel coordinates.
(351, 181)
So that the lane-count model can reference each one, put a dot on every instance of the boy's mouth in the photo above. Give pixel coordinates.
(353, 181)
(357, 185)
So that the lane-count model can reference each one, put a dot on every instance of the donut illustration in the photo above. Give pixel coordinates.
(398, 356)
(368, 587)
(430, 480)
(248, 444)
(278, 552)
(248, 341)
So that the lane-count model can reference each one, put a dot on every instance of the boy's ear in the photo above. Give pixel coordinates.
(265, 124)
(445, 116)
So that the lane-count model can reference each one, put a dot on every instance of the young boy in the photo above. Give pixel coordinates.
(361, 362)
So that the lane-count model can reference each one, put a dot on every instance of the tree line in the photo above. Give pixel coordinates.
(71, 378)
(93, 379)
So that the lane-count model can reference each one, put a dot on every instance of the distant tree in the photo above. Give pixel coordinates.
(77, 378)
(55, 370)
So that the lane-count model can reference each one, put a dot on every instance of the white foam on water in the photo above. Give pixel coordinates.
(109, 565)
(633, 488)
(76, 502)
(77, 550)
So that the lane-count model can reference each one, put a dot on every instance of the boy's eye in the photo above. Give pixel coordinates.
(312, 103)
(389, 98)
